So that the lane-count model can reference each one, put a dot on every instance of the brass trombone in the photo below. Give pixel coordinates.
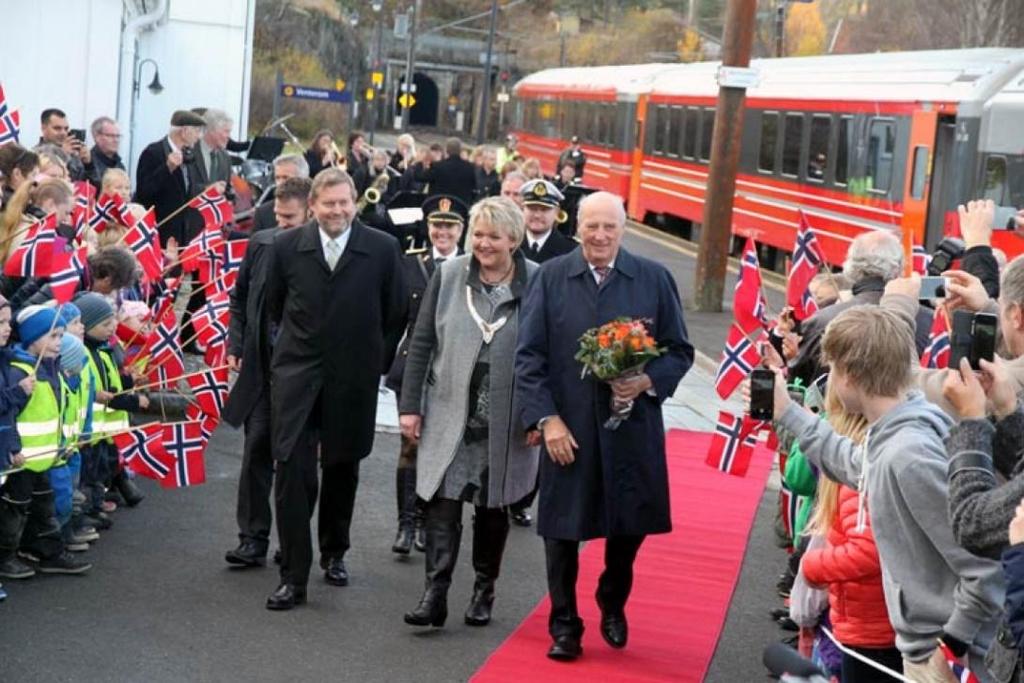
(373, 194)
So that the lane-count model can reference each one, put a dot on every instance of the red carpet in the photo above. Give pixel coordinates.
(682, 587)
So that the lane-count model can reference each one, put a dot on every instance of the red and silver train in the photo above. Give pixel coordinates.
(858, 142)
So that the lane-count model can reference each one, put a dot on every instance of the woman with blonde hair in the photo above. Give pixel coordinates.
(405, 153)
(116, 182)
(531, 169)
(458, 402)
(849, 565)
(33, 202)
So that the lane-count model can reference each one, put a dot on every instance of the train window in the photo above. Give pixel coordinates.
(920, 172)
(817, 151)
(690, 138)
(606, 123)
(598, 123)
(881, 148)
(843, 155)
(792, 138)
(675, 132)
(707, 126)
(654, 129)
(994, 182)
(769, 138)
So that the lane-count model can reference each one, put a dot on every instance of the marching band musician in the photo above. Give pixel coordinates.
(446, 219)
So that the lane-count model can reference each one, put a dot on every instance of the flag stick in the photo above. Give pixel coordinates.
(150, 385)
(172, 214)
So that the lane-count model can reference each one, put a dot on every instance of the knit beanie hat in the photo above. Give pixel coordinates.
(72, 354)
(95, 309)
(68, 313)
(35, 322)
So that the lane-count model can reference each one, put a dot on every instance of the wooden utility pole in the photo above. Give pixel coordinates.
(737, 39)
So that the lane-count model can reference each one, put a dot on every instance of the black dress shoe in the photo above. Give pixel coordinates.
(614, 630)
(565, 649)
(421, 539)
(404, 540)
(335, 572)
(522, 518)
(286, 596)
(247, 554)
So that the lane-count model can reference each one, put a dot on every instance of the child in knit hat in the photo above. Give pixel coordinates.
(111, 405)
(71, 318)
(39, 428)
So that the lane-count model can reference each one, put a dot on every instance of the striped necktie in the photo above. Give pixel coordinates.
(602, 273)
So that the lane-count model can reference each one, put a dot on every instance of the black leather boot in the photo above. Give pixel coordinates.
(128, 490)
(405, 485)
(443, 536)
(421, 526)
(490, 530)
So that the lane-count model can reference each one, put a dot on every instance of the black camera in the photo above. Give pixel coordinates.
(973, 337)
(948, 250)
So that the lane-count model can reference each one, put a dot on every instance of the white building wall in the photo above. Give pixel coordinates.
(67, 54)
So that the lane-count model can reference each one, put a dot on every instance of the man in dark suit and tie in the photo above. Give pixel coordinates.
(541, 206)
(249, 349)
(453, 176)
(163, 178)
(335, 292)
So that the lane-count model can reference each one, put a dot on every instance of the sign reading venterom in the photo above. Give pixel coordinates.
(305, 92)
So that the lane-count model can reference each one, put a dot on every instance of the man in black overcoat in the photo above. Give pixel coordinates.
(248, 404)
(162, 178)
(335, 292)
(541, 207)
(454, 176)
(446, 219)
(597, 482)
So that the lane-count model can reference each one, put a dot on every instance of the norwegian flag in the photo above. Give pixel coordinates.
(208, 241)
(936, 354)
(34, 256)
(216, 354)
(789, 504)
(85, 199)
(208, 422)
(810, 306)
(144, 242)
(69, 271)
(232, 255)
(163, 347)
(211, 321)
(920, 260)
(731, 450)
(10, 121)
(739, 358)
(210, 387)
(214, 207)
(183, 441)
(748, 302)
(165, 300)
(207, 267)
(960, 672)
(109, 208)
(807, 262)
(143, 453)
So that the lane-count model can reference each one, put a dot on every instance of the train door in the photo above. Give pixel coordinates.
(637, 158)
(943, 181)
(918, 173)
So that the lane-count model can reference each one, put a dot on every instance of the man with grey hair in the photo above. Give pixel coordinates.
(213, 165)
(285, 166)
(106, 136)
(873, 259)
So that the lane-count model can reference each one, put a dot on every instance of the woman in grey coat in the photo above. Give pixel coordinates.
(458, 402)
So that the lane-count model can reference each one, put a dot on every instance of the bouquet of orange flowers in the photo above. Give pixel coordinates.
(617, 350)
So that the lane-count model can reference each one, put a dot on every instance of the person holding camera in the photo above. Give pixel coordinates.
(54, 129)
(163, 177)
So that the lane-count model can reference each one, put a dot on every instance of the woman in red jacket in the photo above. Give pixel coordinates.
(849, 566)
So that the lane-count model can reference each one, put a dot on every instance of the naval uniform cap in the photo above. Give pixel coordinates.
(541, 192)
(445, 207)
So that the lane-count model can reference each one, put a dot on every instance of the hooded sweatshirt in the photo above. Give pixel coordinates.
(932, 585)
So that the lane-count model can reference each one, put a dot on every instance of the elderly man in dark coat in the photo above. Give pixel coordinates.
(597, 482)
(336, 293)
(249, 349)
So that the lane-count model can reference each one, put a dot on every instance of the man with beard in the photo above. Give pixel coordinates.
(541, 204)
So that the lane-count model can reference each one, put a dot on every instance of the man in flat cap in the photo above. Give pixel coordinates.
(573, 155)
(162, 178)
(446, 217)
(541, 206)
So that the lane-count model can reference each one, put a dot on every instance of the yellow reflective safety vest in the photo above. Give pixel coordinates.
(74, 413)
(105, 420)
(39, 424)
